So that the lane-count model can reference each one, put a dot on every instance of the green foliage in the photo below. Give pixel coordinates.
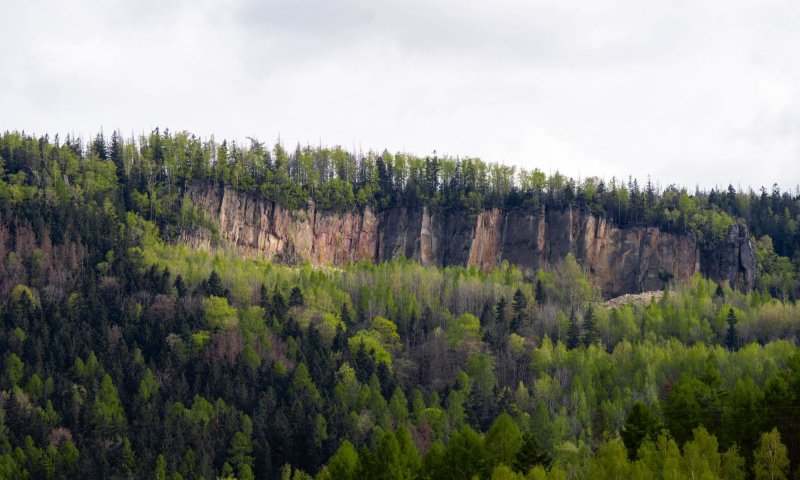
(771, 458)
(503, 440)
(219, 314)
(343, 465)
(108, 324)
(372, 342)
(463, 328)
(148, 386)
(15, 369)
(107, 413)
(387, 331)
(731, 337)
(641, 424)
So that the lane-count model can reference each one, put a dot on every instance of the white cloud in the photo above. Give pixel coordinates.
(688, 92)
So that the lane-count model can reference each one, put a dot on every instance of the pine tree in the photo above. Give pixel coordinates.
(339, 340)
(180, 286)
(519, 305)
(99, 146)
(279, 306)
(214, 286)
(589, 331)
(296, 298)
(500, 311)
(363, 364)
(573, 333)
(264, 298)
(642, 423)
(520, 301)
(347, 317)
(540, 296)
(732, 338)
(530, 454)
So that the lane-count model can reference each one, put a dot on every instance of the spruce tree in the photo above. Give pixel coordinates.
(500, 311)
(732, 338)
(540, 296)
(519, 304)
(279, 306)
(214, 286)
(296, 298)
(589, 331)
(180, 286)
(264, 298)
(642, 423)
(347, 317)
(573, 333)
(99, 146)
(340, 340)
(530, 454)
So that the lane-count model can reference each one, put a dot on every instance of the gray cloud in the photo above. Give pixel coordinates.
(688, 92)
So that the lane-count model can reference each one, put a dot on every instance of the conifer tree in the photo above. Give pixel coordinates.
(530, 453)
(500, 311)
(279, 306)
(347, 317)
(732, 338)
(589, 331)
(573, 332)
(180, 286)
(540, 296)
(296, 298)
(264, 298)
(520, 303)
(99, 146)
(214, 286)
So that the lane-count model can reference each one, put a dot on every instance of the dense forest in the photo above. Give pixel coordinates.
(128, 355)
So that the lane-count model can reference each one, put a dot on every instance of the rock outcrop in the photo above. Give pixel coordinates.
(733, 259)
(619, 260)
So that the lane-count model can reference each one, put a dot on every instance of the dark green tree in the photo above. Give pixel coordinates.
(99, 147)
(296, 298)
(588, 328)
(500, 311)
(641, 424)
(732, 338)
(180, 286)
(519, 305)
(573, 332)
(530, 453)
(279, 306)
(347, 317)
(540, 295)
(214, 285)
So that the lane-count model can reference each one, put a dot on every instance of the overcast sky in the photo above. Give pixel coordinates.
(688, 92)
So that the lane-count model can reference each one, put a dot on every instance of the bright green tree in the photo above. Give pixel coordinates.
(771, 459)
(503, 440)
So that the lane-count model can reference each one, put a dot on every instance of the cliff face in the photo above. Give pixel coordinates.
(733, 260)
(620, 260)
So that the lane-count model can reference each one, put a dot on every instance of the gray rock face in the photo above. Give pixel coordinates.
(732, 260)
(619, 260)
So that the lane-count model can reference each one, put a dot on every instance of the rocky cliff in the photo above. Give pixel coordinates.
(620, 260)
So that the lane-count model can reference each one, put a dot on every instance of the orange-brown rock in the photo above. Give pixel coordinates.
(619, 260)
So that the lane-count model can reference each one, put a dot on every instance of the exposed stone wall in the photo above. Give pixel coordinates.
(619, 260)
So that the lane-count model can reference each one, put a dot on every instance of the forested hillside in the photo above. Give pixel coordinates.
(126, 354)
